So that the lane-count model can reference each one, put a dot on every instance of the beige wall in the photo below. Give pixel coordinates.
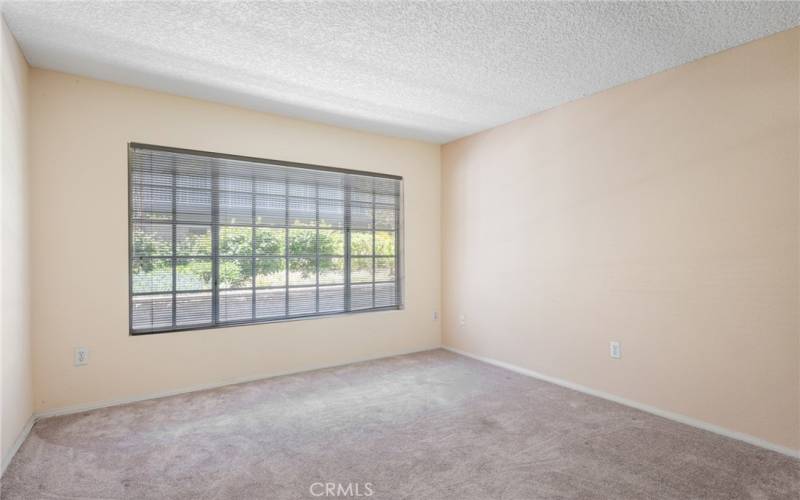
(79, 246)
(663, 214)
(16, 373)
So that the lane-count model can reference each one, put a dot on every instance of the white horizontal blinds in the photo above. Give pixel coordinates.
(219, 240)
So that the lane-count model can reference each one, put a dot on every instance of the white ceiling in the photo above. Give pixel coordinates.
(426, 70)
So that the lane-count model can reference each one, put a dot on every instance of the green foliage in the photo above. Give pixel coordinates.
(302, 241)
(384, 243)
(193, 274)
(304, 267)
(270, 241)
(331, 242)
(148, 243)
(151, 275)
(361, 243)
(361, 265)
(195, 240)
(271, 273)
(235, 240)
(384, 269)
(234, 273)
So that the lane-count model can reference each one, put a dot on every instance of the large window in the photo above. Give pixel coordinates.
(218, 240)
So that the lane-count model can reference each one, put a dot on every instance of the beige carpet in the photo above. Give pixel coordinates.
(433, 425)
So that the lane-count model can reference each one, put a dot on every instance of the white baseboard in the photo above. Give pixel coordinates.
(18, 443)
(78, 408)
(633, 404)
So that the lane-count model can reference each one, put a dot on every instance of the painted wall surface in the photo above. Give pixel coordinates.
(16, 374)
(662, 214)
(79, 247)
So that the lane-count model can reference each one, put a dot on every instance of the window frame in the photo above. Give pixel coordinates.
(215, 226)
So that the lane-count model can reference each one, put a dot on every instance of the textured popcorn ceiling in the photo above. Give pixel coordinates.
(427, 70)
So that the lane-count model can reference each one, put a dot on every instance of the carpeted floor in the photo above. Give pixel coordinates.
(430, 426)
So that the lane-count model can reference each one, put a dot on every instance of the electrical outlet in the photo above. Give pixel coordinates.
(81, 356)
(435, 315)
(615, 349)
(462, 320)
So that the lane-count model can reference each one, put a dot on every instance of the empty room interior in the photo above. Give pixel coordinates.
(400, 250)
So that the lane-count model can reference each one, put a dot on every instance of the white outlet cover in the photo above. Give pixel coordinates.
(615, 350)
(81, 356)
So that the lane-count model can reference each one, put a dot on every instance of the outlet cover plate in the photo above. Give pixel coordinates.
(81, 356)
